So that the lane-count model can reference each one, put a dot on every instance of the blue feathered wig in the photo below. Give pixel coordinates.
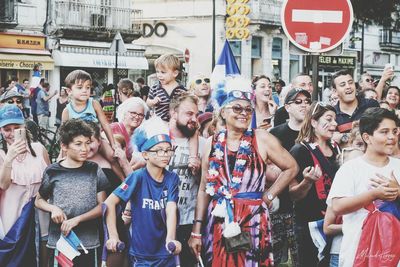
(231, 89)
(150, 133)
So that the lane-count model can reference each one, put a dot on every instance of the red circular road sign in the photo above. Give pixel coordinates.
(187, 55)
(317, 26)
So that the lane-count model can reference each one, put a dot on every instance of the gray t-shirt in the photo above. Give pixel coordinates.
(42, 105)
(188, 184)
(74, 190)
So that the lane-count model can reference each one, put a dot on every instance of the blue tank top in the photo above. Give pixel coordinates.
(88, 114)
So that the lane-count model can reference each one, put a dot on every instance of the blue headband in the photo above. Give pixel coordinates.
(154, 141)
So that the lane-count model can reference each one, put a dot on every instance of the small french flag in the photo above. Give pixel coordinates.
(124, 186)
(63, 260)
(68, 248)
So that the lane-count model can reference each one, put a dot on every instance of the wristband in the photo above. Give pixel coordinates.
(197, 221)
(194, 235)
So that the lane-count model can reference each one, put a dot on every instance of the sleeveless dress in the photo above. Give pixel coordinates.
(251, 214)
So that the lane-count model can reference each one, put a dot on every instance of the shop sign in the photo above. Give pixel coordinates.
(337, 61)
(22, 41)
(23, 64)
(109, 63)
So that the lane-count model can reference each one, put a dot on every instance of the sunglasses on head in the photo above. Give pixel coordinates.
(200, 81)
(242, 95)
(14, 101)
(238, 109)
(321, 104)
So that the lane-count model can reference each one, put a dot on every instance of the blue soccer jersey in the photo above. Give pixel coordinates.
(148, 202)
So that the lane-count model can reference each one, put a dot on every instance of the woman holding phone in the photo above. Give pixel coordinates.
(21, 167)
(265, 106)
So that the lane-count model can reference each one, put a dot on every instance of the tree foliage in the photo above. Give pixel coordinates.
(381, 12)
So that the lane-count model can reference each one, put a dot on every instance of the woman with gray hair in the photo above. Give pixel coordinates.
(130, 115)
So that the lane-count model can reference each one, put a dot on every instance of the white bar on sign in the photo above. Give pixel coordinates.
(325, 40)
(317, 16)
(315, 45)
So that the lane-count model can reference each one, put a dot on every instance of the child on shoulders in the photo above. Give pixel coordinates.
(82, 106)
(167, 69)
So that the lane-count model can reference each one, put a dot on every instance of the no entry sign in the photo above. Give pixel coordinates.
(317, 26)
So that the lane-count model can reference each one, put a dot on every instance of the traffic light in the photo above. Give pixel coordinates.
(237, 20)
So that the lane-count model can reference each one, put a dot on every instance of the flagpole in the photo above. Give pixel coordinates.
(213, 36)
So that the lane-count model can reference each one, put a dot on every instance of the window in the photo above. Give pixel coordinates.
(277, 57)
(236, 47)
(277, 48)
(256, 44)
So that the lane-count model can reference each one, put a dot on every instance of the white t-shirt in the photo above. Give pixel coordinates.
(189, 184)
(353, 179)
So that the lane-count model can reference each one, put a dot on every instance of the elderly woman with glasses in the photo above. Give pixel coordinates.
(316, 155)
(265, 106)
(200, 86)
(232, 218)
(130, 115)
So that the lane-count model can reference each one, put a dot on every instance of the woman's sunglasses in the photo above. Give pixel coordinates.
(200, 81)
(238, 109)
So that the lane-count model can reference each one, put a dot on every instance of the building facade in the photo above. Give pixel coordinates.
(174, 26)
(80, 34)
(22, 42)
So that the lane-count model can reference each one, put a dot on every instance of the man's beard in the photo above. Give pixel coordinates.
(186, 131)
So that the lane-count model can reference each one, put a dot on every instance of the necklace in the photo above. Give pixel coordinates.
(21, 157)
(219, 160)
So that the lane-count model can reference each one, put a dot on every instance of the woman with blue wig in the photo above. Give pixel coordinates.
(231, 225)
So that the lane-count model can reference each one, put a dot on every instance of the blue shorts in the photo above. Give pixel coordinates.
(142, 262)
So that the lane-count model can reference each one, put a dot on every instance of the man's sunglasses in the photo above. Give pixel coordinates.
(14, 101)
(369, 80)
(200, 81)
(306, 101)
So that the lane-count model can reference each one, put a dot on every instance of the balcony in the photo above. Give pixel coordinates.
(389, 40)
(93, 22)
(8, 14)
(266, 12)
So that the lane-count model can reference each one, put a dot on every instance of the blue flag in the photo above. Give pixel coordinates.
(226, 66)
(17, 248)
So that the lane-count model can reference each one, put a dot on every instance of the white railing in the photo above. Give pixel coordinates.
(70, 14)
(266, 11)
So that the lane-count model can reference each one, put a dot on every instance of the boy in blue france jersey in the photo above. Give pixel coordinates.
(153, 194)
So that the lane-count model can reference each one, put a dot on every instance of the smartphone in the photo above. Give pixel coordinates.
(389, 65)
(267, 120)
(20, 134)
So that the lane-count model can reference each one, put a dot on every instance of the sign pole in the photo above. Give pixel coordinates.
(117, 46)
(314, 77)
(116, 79)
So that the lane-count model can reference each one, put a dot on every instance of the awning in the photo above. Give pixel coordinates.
(25, 62)
(99, 61)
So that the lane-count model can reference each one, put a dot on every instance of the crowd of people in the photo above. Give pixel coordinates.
(243, 174)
